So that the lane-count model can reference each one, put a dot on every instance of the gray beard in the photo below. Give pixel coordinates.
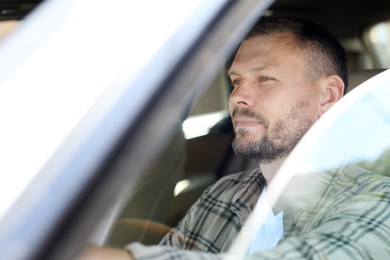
(272, 146)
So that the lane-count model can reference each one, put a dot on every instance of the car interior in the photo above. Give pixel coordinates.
(200, 152)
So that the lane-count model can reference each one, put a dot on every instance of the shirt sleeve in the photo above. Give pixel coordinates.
(210, 225)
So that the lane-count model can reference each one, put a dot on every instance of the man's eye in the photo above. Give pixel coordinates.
(264, 78)
(236, 82)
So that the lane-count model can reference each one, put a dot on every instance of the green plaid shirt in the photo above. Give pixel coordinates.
(345, 215)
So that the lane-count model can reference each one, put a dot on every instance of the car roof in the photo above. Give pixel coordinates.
(346, 21)
(16, 9)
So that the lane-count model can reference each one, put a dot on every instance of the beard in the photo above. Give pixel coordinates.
(277, 141)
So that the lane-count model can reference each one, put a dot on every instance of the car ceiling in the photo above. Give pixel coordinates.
(16, 9)
(344, 18)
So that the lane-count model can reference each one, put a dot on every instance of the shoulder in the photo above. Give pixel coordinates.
(362, 178)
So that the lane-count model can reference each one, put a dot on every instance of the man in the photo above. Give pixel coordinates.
(286, 74)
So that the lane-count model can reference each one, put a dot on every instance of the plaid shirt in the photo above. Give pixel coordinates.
(331, 216)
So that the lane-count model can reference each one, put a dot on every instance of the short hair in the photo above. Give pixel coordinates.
(325, 55)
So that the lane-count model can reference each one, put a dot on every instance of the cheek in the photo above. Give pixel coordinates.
(231, 106)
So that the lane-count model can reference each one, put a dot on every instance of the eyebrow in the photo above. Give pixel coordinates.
(231, 72)
(254, 69)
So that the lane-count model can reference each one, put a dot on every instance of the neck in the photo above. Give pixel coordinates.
(269, 169)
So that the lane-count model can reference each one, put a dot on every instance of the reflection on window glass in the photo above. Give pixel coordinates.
(333, 190)
(379, 165)
(360, 134)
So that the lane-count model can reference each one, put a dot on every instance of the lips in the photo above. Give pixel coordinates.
(247, 118)
(245, 122)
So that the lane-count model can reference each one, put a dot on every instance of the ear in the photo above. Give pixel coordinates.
(332, 91)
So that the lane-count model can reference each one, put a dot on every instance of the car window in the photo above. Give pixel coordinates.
(149, 130)
(105, 115)
(348, 147)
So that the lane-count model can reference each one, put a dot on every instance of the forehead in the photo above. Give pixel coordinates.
(274, 40)
(265, 49)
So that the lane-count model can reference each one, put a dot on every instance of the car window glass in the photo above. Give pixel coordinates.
(185, 168)
(346, 150)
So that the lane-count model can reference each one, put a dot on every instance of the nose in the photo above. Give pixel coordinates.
(242, 96)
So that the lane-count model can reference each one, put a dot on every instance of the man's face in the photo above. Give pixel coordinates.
(272, 104)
